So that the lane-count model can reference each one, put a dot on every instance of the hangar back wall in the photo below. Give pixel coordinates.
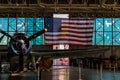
(106, 31)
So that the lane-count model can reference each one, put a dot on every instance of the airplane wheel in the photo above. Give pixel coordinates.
(46, 64)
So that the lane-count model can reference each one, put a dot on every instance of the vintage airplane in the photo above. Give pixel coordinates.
(20, 45)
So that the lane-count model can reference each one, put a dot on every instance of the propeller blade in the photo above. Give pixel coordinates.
(2, 37)
(6, 34)
(37, 34)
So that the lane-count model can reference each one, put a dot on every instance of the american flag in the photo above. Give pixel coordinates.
(72, 31)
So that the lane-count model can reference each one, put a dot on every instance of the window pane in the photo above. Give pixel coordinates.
(12, 24)
(4, 24)
(99, 24)
(108, 38)
(116, 24)
(116, 38)
(107, 24)
(21, 24)
(99, 38)
(29, 24)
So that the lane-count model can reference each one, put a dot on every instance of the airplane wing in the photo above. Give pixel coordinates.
(68, 53)
(63, 53)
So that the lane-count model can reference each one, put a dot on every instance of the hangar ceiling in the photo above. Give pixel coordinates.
(45, 8)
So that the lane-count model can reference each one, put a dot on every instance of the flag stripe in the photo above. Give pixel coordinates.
(69, 38)
(73, 43)
(71, 23)
(78, 27)
(77, 30)
(61, 33)
(80, 19)
(68, 35)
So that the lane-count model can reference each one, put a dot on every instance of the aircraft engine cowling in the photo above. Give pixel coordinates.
(22, 42)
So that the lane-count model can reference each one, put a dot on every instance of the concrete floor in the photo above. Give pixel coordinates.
(64, 73)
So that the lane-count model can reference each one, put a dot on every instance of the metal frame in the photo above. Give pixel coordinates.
(45, 8)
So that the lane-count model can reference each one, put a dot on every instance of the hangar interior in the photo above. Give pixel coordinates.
(30, 16)
(15, 12)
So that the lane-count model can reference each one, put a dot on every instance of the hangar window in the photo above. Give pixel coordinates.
(27, 25)
(107, 31)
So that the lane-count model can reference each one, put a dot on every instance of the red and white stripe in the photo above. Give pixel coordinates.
(76, 31)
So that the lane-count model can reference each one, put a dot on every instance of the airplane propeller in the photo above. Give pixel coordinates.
(29, 38)
(20, 41)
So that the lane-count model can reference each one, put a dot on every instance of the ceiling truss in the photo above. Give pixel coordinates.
(45, 8)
